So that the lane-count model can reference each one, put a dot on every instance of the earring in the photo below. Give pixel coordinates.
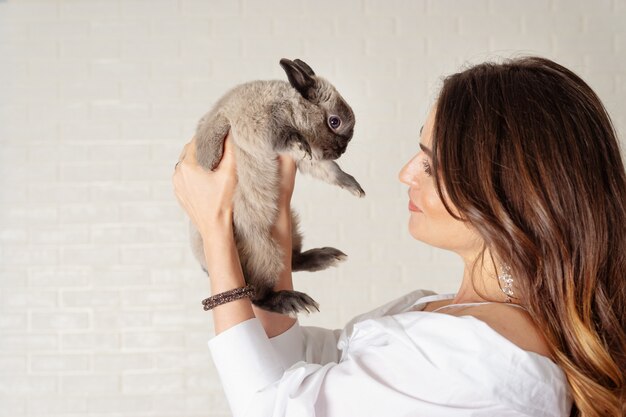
(506, 282)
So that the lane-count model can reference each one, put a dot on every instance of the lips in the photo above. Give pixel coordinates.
(413, 207)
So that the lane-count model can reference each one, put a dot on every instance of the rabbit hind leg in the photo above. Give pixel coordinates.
(313, 259)
(210, 135)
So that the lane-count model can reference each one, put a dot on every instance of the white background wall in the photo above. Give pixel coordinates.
(100, 310)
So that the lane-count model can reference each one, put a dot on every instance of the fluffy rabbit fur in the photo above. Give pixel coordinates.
(305, 118)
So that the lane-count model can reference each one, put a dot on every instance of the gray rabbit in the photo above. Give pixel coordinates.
(306, 119)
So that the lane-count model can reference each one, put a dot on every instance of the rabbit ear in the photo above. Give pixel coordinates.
(299, 78)
(304, 66)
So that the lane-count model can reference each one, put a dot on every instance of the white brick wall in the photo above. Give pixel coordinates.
(100, 309)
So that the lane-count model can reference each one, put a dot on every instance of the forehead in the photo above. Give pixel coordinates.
(345, 112)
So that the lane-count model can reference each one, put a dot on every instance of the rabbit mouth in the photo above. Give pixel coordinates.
(335, 152)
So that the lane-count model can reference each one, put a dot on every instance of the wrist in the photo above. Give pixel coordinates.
(283, 201)
(284, 212)
(220, 225)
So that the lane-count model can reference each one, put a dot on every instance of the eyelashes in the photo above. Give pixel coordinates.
(427, 168)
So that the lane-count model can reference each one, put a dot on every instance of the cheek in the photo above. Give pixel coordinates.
(433, 206)
(434, 217)
(436, 227)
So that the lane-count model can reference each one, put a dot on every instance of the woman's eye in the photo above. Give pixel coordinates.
(334, 122)
(427, 168)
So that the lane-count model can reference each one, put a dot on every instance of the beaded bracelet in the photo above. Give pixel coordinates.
(228, 296)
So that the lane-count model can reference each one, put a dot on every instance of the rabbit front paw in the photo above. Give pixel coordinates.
(348, 182)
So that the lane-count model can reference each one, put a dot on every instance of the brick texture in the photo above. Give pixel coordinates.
(99, 293)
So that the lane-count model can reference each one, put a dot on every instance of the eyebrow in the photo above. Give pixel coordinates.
(426, 150)
(421, 128)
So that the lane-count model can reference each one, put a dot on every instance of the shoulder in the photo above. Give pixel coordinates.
(462, 354)
(512, 323)
(468, 343)
(451, 345)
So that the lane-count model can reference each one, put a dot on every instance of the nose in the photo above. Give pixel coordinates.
(408, 173)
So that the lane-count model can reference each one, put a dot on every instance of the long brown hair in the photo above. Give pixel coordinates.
(527, 154)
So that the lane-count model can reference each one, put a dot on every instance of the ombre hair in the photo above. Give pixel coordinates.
(527, 154)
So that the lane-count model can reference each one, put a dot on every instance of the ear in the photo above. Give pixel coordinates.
(304, 66)
(299, 78)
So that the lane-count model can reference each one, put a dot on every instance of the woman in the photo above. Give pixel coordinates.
(520, 174)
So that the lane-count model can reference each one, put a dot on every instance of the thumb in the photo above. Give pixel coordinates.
(228, 156)
(287, 165)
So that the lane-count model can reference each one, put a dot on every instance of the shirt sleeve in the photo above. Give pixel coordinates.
(321, 346)
(364, 382)
(282, 376)
(307, 343)
(253, 375)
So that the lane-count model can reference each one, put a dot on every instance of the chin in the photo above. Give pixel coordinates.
(427, 238)
(430, 242)
(450, 241)
(415, 234)
(332, 155)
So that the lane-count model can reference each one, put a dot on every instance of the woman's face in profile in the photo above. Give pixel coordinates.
(429, 220)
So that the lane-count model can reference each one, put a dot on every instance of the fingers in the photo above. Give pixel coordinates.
(181, 158)
(229, 147)
(190, 151)
(228, 156)
(187, 155)
(287, 164)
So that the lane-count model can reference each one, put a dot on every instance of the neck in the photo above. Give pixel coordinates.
(480, 280)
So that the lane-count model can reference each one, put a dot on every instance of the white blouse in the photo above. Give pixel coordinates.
(391, 361)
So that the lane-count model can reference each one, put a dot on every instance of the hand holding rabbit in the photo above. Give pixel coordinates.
(206, 196)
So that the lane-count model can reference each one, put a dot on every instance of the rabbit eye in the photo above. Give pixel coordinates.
(334, 122)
